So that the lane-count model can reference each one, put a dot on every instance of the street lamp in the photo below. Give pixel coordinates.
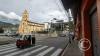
(69, 16)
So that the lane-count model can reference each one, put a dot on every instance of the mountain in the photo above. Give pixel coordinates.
(7, 20)
(4, 24)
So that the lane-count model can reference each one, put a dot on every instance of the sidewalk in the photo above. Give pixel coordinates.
(72, 50)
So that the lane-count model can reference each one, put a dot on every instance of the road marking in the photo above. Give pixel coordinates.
(12, 54)
(5, 45)
(39, 41)
(8, 45)
(6, 48)
(36, 50)
(57, 52)
(8, 51)
(45, 52)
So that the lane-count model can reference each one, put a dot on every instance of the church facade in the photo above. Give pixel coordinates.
(27, 26)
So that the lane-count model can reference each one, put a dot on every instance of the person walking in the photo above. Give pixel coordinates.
(71, 36)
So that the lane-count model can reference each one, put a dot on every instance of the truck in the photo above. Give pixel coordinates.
(25, 40)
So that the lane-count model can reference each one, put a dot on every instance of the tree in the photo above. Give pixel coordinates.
(71, 25)
(61, 26)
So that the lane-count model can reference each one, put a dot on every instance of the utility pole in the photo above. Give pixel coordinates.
(70, 17)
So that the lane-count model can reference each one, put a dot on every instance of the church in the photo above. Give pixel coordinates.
(26, 26)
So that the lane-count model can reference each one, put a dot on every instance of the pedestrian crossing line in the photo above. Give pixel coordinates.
(57, 52)
(18, 52)
(7, 48)
(39, 41)
(8, 51)
(45, 52)
(6, 45)
(36, 50)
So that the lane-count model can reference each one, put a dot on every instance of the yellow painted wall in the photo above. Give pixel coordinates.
(27, 27)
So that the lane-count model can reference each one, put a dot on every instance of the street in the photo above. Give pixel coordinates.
(45, 47)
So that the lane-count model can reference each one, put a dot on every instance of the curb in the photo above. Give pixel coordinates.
(64, 50)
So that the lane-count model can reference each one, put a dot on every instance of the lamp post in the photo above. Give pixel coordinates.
(69, 20)
(51, 27)
(34, 29)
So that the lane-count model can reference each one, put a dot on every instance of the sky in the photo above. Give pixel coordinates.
(39, 10)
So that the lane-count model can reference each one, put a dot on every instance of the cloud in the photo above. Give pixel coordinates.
(46, 10)
(10, 15)
(39, 10)
(49, 15)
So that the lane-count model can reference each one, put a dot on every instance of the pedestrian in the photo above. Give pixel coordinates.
(71, 37)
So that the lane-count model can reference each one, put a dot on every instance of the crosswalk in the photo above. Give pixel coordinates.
(37, 50)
